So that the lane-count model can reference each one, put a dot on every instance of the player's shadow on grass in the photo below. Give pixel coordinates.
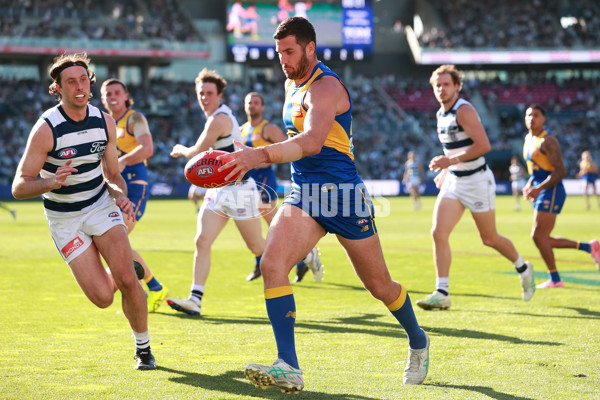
(488, 391)
(233, 382)
(367, 324)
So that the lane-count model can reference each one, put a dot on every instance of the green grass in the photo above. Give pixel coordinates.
(54, 344)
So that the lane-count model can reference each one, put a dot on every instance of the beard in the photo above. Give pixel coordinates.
(300, 71)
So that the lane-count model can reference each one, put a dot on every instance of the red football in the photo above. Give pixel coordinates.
(202, 170)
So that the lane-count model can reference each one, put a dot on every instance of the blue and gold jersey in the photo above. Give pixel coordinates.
(335, 162)
(126, 142)
(538, 164)
(252, 136)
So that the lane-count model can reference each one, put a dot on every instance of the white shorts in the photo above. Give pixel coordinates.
(72, 233)
(236, 201)
(519, 184)
(197, 191)
(413, 181)
(476, 192)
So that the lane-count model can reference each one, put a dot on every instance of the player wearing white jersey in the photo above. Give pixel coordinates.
(239, 202)
(72, 148)
(465, 181)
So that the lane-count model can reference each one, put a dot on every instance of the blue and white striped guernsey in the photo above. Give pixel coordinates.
(83, 142)
(455, 140)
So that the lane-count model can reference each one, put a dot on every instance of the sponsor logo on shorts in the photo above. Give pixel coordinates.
(71, 247)
(113, 214)
(68, 153)
(241, 211)
(478, 204)
(362, 221)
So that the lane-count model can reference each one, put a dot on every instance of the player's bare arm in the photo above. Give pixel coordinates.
(467, 117)
(138, 124)
(216, 126)
(325, 99)
(110, 170)
(27, 183)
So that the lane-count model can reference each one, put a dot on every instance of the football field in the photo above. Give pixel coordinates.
(55, 344)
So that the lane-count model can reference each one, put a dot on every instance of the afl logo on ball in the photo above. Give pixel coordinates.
(204, 171)
(67, 153)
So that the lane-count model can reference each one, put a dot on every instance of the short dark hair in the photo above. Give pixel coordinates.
(262, 101)
(111, 81)
(299, 27)
(537, 107)
(209, 75)
(64, 61)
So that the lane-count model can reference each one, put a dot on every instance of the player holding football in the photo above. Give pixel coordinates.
(317, 115)
(220, 204)
(258, 132)
(135, 147)
(72, 148)
(465, 182)
(546, 191)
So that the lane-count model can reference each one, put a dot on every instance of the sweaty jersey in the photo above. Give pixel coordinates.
(454, 139)
(335, 162)
(126, 142)
(538, 164)
(84, 143)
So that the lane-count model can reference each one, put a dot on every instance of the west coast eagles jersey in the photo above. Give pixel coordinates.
(538, 163)
(335, 162)
(126, 142)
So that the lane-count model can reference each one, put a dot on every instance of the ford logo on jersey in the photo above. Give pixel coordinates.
(67, 153)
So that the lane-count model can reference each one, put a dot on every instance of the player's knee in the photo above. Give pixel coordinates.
(268, 267)
(126, 281)
(102, 299)
(203, 243)
(377, 288)
(489, 241)
(438, 234)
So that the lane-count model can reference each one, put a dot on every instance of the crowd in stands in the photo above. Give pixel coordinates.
(100, 20)
(508, 24)
(383, 133)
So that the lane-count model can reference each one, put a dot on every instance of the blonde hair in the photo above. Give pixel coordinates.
(451, 70)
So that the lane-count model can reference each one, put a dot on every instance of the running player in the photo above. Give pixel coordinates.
(318, 118)
(135, 147)
(545, 189)
(239, 202)
(465, 182)
(71, 161)
(258, 132)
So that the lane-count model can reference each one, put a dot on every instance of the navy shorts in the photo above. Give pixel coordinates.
(266, 182)
(551, 200)
(138, 194)
(343, 209)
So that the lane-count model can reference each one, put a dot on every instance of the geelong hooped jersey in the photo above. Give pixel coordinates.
(454, 139)
(226, 143)
(83, 142)
(335, 162)
(127, 142)
(538, 164)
